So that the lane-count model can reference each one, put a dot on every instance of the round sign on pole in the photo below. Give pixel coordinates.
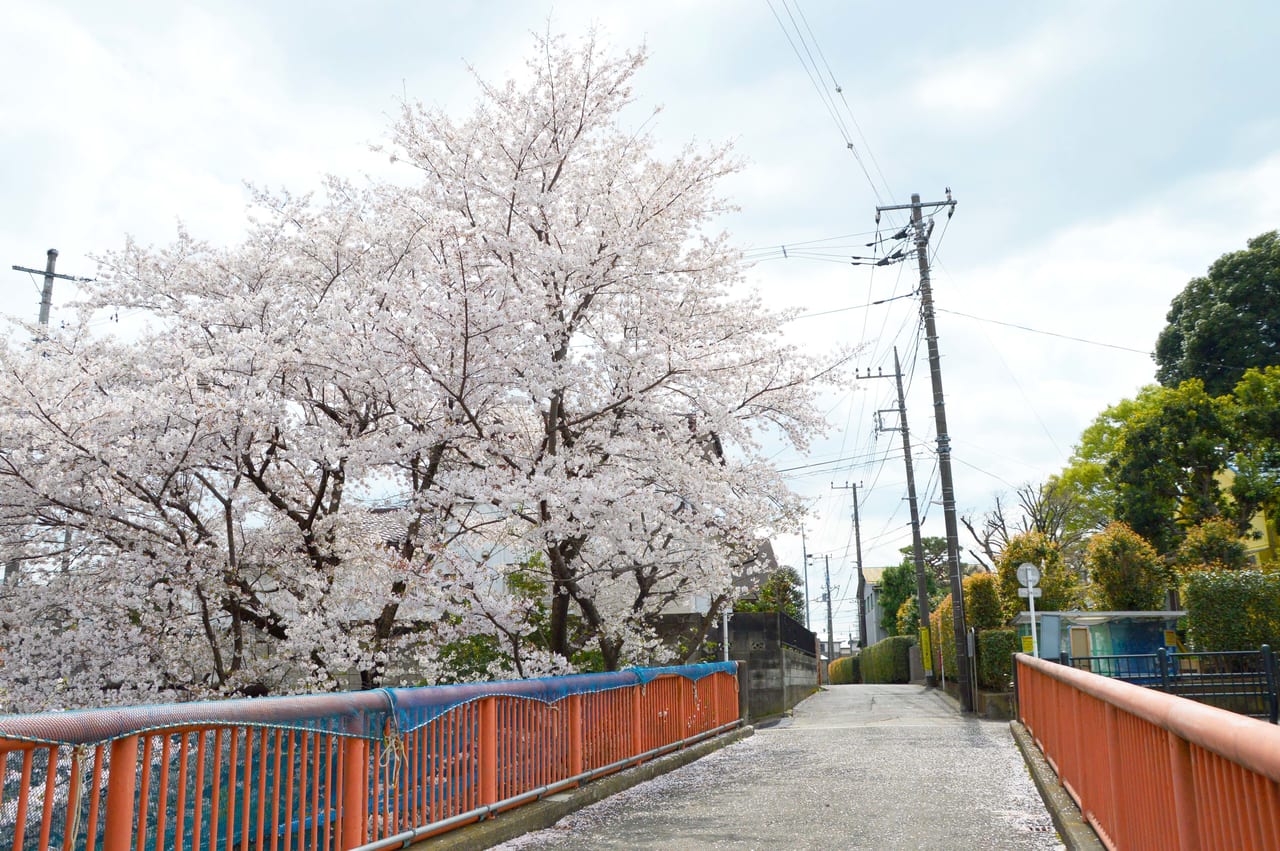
(1028, 574)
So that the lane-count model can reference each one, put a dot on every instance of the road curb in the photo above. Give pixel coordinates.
(1075, 832)
(542, 814)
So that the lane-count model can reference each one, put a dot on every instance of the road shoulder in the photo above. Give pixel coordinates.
(546, 812)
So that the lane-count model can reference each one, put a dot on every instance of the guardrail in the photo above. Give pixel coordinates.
(1151, 770)
(359, 770)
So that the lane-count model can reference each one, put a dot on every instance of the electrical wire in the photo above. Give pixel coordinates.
(840, 91)
(1046, 333)
(810, 65)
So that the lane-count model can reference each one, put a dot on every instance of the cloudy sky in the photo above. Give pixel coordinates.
(1102, 154)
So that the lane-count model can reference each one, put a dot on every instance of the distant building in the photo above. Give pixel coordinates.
(871, 604)
(1260, 542)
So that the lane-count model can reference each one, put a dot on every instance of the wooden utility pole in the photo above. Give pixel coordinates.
(921, 238)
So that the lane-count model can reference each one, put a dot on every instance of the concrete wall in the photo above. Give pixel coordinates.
(778, 674)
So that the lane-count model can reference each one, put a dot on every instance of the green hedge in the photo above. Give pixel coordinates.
(995, 658)
(1232, 609)
(887, 661)
(844, 671)
(982, 601)
(943, 634)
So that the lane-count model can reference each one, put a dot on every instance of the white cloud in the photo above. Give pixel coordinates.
(982, 84)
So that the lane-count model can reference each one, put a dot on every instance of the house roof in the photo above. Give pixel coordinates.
(873, 575)
(388, 525)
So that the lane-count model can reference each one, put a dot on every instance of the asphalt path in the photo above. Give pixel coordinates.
(867, 766)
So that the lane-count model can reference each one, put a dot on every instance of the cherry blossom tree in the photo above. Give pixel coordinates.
(314, 466)
(637, 402)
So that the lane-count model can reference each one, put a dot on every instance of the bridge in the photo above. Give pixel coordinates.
(855, 767)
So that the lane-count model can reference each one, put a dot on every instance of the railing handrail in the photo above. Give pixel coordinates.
(1171, 654)
(1247, 741)
(94, 726)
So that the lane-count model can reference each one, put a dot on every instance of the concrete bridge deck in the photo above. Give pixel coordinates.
(867, 766)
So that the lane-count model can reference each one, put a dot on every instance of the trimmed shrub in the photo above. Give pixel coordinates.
(1232, 609)
(1060, 585)
(995, 658)
(888, 661)
(844, 671)
(908, 617)
(982, 601)
(1213, 545)
(1128, 574)
(942, 634)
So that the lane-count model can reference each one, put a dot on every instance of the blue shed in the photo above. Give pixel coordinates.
(1101, 633)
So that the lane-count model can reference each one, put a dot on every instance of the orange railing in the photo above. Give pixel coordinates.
(1150, 770)
(361, 770)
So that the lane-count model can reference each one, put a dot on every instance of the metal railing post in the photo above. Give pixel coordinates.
(1115, 773)
(1162, 661)
(487, 748)
(1017, 698)
(637, 721)
(575, 735)
(355, 782)
(1184, 792)
(1273, 699)
(685, 694)
(121, 785)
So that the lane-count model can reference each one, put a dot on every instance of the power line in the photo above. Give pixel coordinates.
(820, 239)
(1046, 333)
(840, 91)
(812, 71)
(875, 303)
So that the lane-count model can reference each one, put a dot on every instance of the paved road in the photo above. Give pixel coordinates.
(876, 767)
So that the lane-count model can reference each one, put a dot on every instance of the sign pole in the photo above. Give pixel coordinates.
(1029, 576)
(1035, 641)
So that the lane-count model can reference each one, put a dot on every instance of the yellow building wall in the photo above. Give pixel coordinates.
(1260, 542)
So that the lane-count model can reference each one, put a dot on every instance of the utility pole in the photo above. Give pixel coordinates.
(921, 235)
(862, 582)
(831, 633)
(46, 304)
(913, 505)
(46, 294)
(804, 552)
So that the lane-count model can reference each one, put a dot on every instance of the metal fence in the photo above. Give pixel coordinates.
(1243, 682)
(1151, 770)
(361, 770)
(794, 634)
